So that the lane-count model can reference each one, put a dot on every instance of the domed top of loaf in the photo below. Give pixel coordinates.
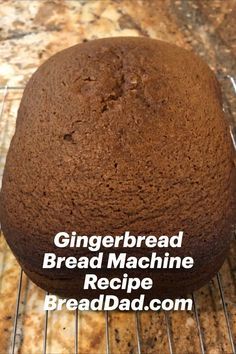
(119, 134)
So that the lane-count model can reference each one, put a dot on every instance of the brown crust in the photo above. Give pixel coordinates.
(114, 135)
(166, 285)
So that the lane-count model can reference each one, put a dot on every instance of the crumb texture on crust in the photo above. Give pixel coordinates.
(114, 135)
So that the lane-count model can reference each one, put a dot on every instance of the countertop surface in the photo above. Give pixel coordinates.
(30, 32)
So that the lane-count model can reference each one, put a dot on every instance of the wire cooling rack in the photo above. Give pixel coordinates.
(6, 132)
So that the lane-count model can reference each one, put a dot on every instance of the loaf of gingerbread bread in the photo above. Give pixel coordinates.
(120, 134)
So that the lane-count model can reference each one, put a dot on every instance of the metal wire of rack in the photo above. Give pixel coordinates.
(5, 90)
